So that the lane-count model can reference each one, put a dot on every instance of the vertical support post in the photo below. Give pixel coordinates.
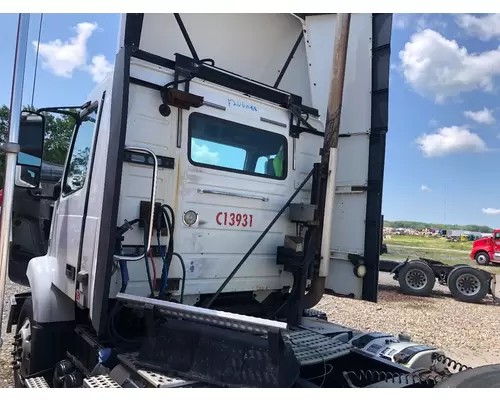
(331, 138)
(11, 148)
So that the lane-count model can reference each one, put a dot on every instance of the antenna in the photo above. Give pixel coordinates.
(36, 60)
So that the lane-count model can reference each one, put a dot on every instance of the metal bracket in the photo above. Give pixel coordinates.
(355, 259)
(199, 314)
(9, 147)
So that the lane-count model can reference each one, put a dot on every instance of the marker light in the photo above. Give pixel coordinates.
(360, 271)
(190, 217)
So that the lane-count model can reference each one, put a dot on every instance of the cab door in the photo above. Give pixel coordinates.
(496, 244)
(234, 178)
(68, 231)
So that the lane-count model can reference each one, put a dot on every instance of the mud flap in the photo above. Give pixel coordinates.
(219, 356)
(16, 303)
(493, 286)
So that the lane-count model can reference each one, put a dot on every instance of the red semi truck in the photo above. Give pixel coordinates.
(486, 251)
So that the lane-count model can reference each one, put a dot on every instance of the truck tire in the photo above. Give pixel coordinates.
(416, 278)
(486, 376)
(27, 361)
(468, 285)
(21, 364)
(482, 258)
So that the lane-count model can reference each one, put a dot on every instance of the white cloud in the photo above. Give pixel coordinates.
(433, 122)
(484, 116)
(62, 58)
(418, 21)
(450, 140)
(438, 67)
(491, 211)
(201, 153)
(99, 68)
(425, 188)
(401, 21)
(431, 21)
(484, 27)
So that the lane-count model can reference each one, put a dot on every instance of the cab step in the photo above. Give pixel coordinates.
(312, 348)
(36, 383)
(156, 379)
(164, 381)
(100, 382)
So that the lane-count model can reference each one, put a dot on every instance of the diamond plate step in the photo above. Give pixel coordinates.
(311, 312)
(156, 379)
(311, 348)
(100, 382)
(164, 381)
(36, 383)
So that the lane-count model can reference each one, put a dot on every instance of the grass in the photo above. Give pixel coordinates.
(401, 247)
(427, 242)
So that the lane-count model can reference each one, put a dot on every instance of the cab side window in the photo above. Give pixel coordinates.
(226, 145)
(80, 155)
(497, 235)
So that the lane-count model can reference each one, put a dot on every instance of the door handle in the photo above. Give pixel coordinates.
(152, 212)
(232, 194)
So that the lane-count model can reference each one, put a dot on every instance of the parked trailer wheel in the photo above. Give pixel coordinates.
(468, 284)
(482, 258)
(416, 278)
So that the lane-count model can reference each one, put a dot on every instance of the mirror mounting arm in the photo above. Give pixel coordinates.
(9, 147)
(39, 196)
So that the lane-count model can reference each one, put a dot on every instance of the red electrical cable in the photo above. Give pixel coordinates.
(154, 268)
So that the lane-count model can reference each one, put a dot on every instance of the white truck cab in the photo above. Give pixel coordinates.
(227, 163)
(190, 210)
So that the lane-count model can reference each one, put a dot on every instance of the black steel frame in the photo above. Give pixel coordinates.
(381, 54)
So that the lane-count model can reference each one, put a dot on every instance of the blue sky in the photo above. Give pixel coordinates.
(443, 136)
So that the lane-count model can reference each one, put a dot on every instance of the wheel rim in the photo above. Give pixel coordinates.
(481, 259)
(468, 285)
(416, 279)
(22, 347)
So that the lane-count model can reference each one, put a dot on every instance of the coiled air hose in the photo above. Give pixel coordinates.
(169, 216)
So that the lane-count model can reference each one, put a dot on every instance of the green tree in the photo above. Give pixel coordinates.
(423, 225)
(58, 131)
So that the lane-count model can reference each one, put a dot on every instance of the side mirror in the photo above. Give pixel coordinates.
(29, 158)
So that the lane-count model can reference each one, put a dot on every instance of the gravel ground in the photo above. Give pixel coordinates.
(5, 356)
(466, 332)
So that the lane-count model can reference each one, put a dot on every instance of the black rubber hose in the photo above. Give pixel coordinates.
(146, 260)
(259, 239)
(183, 274)
(170, 249)
(171, 214)
(170, 226)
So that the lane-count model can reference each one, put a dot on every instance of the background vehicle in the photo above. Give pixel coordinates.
(486, 251)
(418, 277)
